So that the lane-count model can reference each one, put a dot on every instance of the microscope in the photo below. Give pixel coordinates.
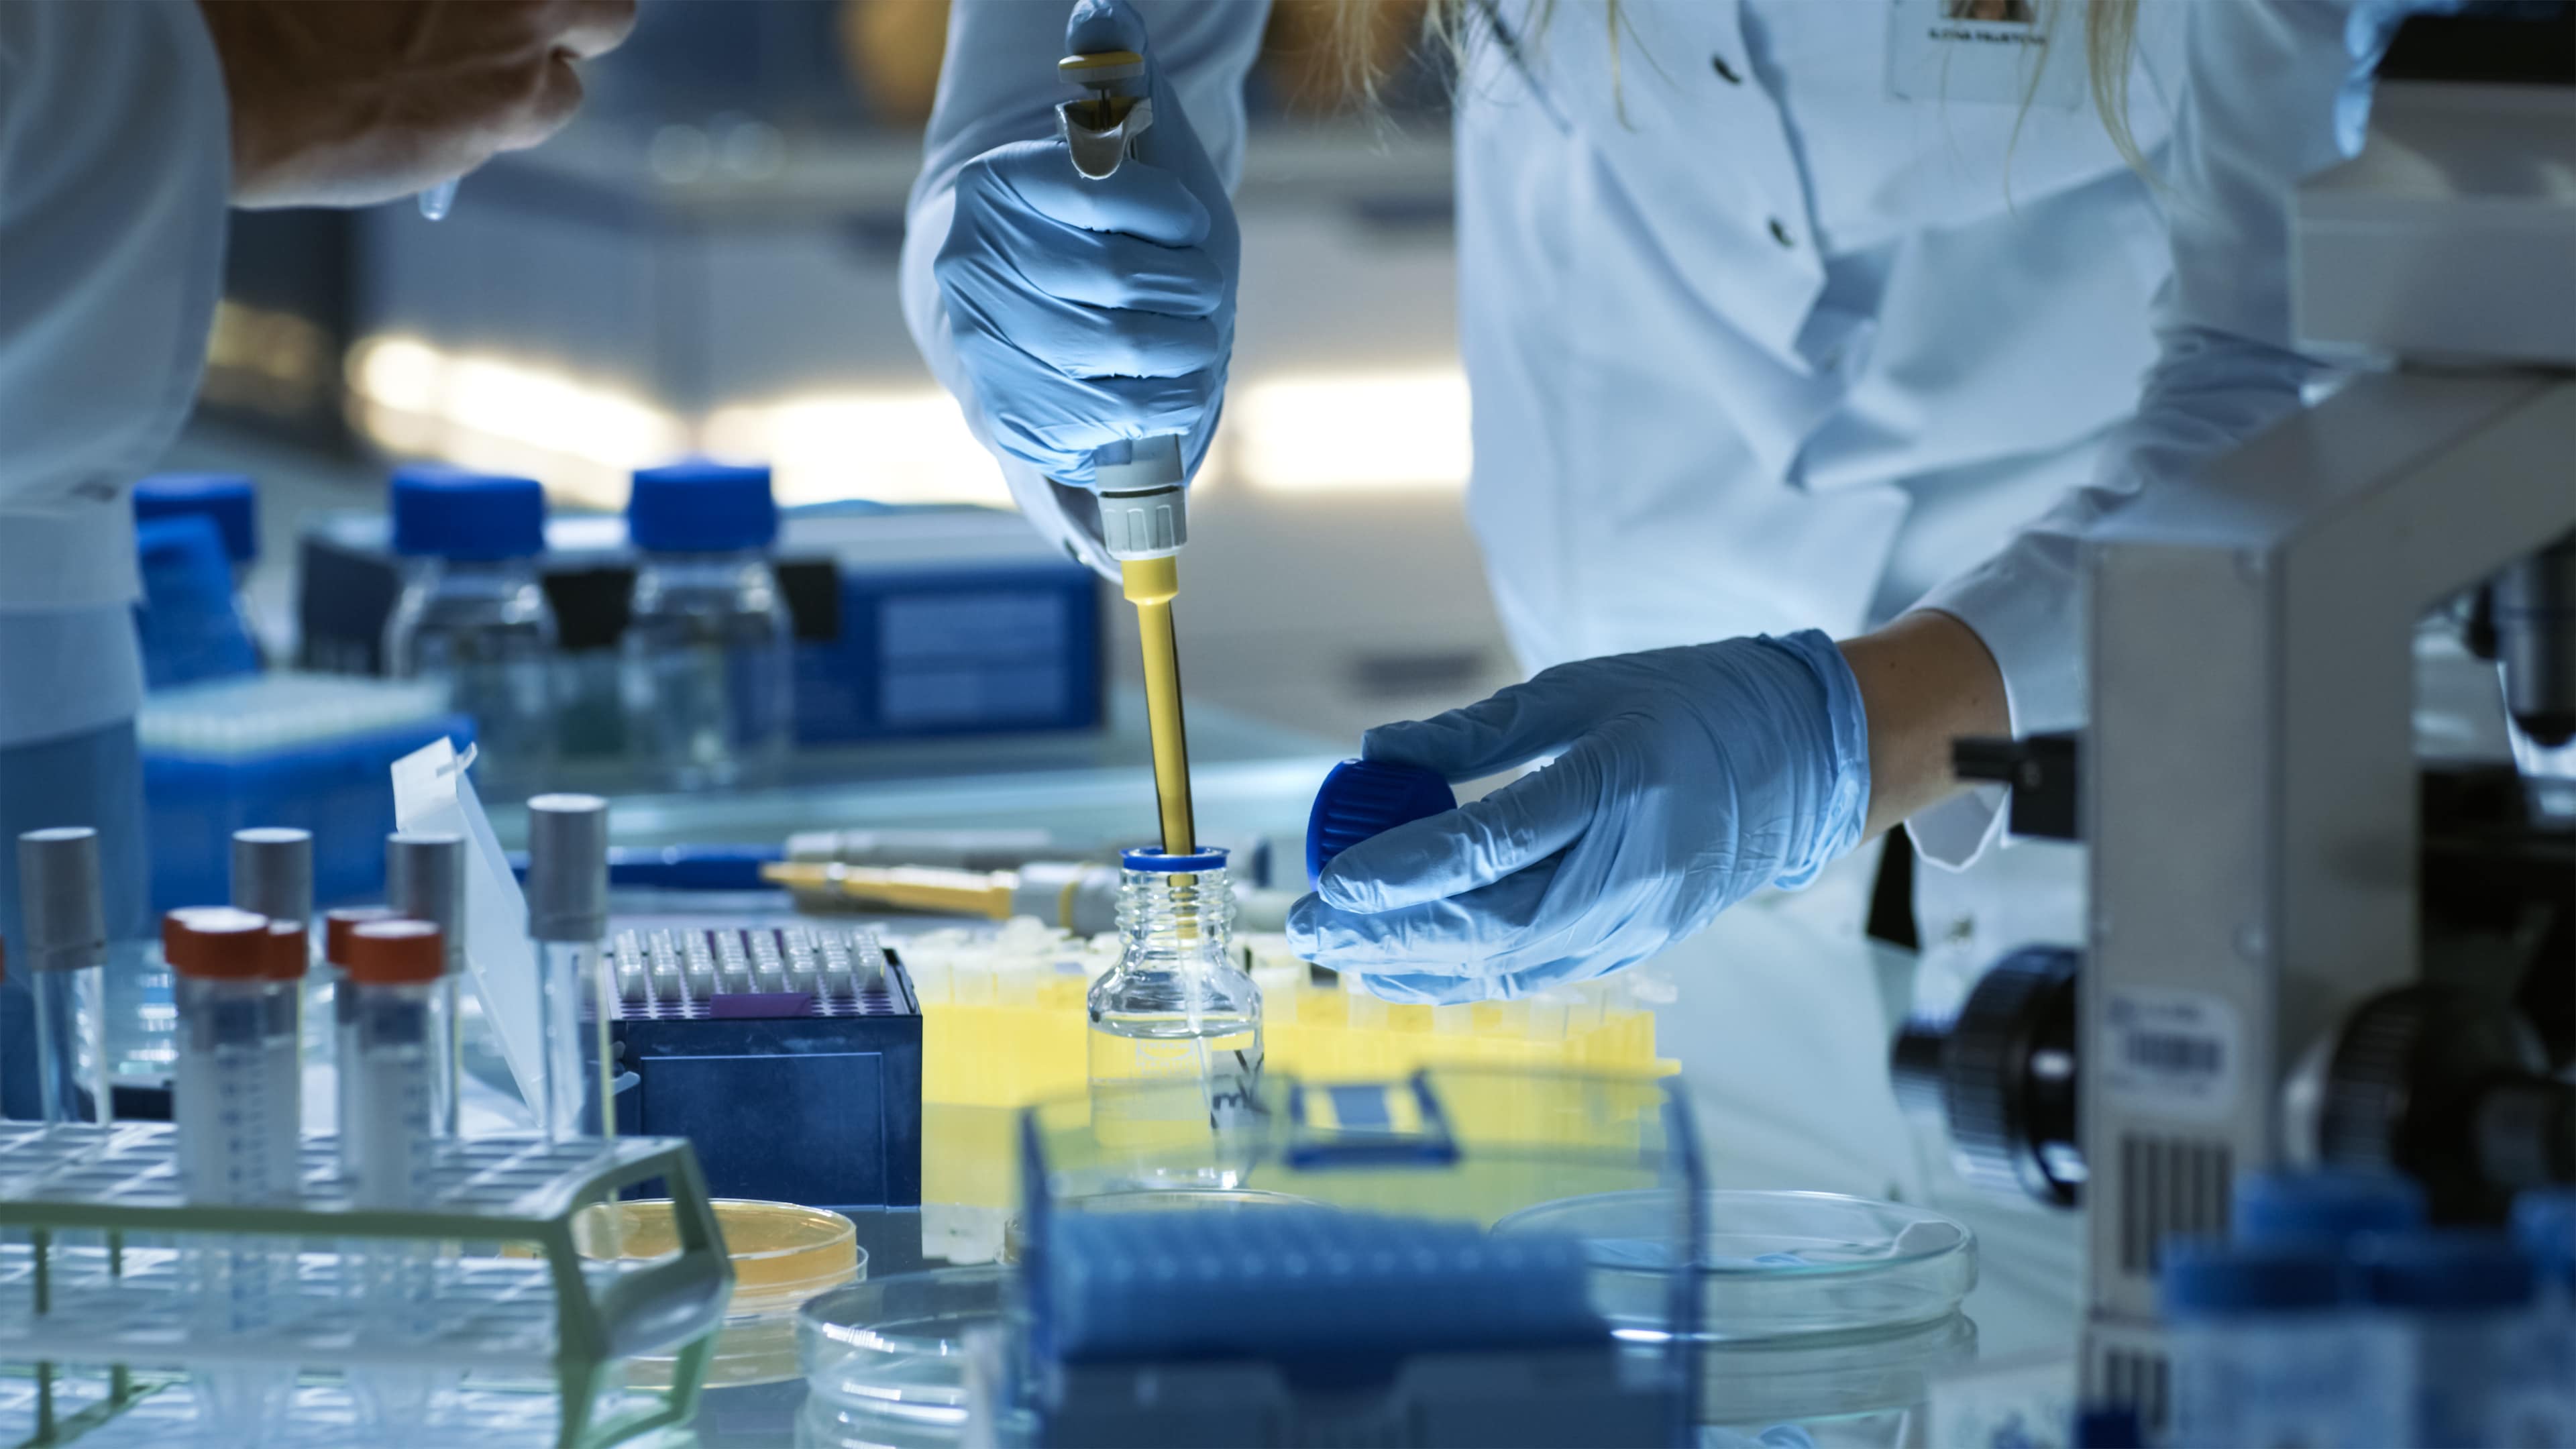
(2307, 945)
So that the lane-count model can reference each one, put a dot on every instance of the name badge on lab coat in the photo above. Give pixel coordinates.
(1986, 52)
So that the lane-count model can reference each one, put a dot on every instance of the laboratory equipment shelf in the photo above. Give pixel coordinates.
(97, 1266)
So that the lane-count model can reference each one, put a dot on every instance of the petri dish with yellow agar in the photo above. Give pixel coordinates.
(782, 1254)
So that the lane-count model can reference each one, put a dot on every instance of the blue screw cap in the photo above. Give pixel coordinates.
(1361, 798)
(2544, 1223)
(2332, 1205)
(2204, 1276)
(452, 513)
(701, 507)
(2439, 1268)
(1150, 859)
(227, 498)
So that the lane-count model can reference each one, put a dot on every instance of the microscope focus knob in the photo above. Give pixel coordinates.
(2001, 1077)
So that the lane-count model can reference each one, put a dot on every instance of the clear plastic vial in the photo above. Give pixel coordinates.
(397, 971)
(1176, 1024)
(66, 958)
(473, 613)
(425, 881)
(336, 928)
(708, 661)
(219, 1105)
(568, 924)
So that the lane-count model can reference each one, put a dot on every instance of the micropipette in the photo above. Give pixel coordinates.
(1078, 896)
(1141, 483)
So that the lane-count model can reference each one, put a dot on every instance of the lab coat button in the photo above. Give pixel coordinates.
(1724, 71)
(1780, 234)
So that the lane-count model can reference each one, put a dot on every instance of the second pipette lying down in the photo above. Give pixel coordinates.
(1079, 896)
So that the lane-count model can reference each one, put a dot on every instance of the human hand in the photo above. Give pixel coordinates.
(1684, 780)
(1089, 311)
(352, 102)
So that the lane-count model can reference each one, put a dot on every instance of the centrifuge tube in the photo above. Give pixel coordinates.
(425, 881)
(273, 877)
(66, 958)
(282, 1045)
(396, 984)
(336, 926)
(219, 958)
(568, 922)
(1177, 1012)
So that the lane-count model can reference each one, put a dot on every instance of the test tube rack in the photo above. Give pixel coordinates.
(790, 1055)
(95, 1268)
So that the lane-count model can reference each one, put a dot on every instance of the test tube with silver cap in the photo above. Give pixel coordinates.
(273, 877)
(425, 881)
(66, 958)
(568, 922)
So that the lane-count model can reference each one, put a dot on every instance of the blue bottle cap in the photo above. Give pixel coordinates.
(2544, 1223)
(227, 498)
(1361, 798)
(2207, 1276)
(2445, 1268)
(2332, 1205)
(701, 507)
(2113, 1426)
(452, 513)
(1152, 859)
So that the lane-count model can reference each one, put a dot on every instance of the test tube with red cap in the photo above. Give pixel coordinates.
(395, 983)
(221, 958)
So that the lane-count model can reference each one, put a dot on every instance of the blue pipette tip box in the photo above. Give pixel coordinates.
(1361, 798)
(809, 1097)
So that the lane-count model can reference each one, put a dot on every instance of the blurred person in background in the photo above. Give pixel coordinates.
(126, 129)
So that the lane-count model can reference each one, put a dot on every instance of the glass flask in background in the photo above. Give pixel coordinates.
(709, 665)
(473, 612)
(1175, 1042)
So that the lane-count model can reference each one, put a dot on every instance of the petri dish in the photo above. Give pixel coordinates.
(1770, 1264)
(783, 1253)
(886, 1360)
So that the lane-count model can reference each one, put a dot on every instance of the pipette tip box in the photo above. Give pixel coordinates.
(789, 1057)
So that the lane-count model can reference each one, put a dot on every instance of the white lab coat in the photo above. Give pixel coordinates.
(1753, 345)
(115, 166)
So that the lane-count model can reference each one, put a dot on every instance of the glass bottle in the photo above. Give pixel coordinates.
(1176, 1025)
(473, 612)
(708, 649)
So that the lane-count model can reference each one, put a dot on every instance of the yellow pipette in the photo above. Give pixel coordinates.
(1144, 513)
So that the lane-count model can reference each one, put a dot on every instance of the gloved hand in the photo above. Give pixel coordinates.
(1684, 779)
(1090, 311)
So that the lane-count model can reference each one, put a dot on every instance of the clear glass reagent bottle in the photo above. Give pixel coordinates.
(66, 956)
(472, 611)
(1177, 1008)
(708, 649)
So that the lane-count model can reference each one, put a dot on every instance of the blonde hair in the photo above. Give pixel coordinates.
(2110, 38)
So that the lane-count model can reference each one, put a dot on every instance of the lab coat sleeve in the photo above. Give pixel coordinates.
(998, 85)
(115, 167)
(2277, 92)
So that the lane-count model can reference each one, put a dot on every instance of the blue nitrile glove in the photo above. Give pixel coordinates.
(1684, 780)
(1091, 311)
